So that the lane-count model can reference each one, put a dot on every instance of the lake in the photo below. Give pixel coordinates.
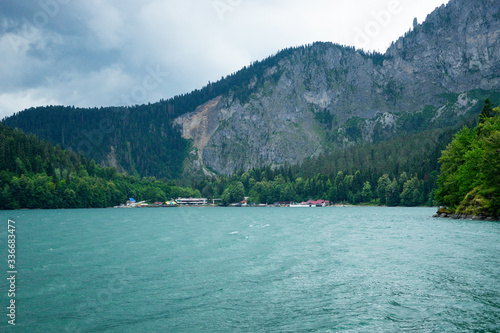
(331, 269)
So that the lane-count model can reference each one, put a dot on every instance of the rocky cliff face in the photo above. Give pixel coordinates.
(326, 94)
(456, 48)
(298, 103)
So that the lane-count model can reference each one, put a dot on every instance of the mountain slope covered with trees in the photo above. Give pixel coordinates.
(399, 172)
(36, 174)
(469, 182)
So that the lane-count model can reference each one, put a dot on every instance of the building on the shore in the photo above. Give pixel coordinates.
(131, 202)
(317, 203)
(192, 201)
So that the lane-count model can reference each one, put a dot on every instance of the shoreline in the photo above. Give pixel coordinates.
(212, 206)
(454, 216)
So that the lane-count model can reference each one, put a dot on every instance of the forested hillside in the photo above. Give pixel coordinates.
(469, 182)
(399, 172)
(138, 140)
(402, 171)
(35, 174)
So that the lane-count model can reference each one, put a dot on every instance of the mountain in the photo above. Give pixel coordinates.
(398, 172)
(328, 93)
(297, 104)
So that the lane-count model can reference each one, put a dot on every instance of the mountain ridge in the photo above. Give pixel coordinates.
(298, 103)
(370, 90)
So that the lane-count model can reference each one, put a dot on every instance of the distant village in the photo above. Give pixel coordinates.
(204, 202)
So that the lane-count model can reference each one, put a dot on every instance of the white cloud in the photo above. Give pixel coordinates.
(93, 53)
(107, 24)
(13, 102)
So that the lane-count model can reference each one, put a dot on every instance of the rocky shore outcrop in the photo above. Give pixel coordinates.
(446, 213)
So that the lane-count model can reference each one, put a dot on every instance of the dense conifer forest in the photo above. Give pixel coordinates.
(399, 172)
(458, 168)
(455, 166)
(36, 174)
(469, 182)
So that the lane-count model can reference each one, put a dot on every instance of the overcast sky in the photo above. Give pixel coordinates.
(119, 52)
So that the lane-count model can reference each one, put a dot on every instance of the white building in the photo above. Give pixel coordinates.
(192, 201)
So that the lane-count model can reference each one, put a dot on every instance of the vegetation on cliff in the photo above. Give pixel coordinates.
(399, 172)
(469, 182)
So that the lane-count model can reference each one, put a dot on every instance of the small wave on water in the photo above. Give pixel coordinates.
(259, 226)
(258, 270)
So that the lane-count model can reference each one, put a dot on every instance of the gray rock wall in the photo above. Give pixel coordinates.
(456, 50)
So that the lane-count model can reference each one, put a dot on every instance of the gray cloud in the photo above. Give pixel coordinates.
(97, 53)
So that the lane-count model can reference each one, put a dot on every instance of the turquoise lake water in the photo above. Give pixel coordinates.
(252, 270)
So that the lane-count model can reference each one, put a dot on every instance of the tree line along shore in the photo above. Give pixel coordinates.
(458, 169)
